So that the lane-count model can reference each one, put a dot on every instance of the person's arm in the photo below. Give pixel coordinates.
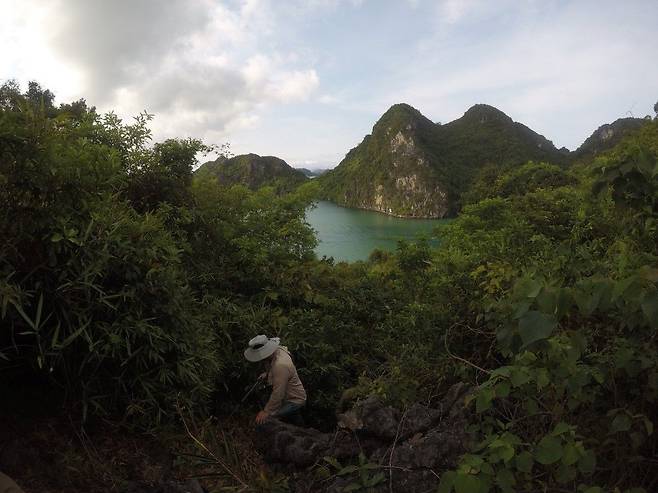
(279, 386)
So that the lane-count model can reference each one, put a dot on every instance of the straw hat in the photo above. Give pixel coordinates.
(261, 347)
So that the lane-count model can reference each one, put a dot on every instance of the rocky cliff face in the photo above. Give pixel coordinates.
(254, 171)
(607, 136)
(412, 167)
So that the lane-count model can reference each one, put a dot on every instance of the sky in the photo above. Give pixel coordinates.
(305, 80)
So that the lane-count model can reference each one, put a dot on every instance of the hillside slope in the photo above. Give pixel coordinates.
(409, 166)
(606, 137)
(254, 171)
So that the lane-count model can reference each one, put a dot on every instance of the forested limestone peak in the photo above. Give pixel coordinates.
(399, 116)
(484, 112)
(410, 166)
(254, 171)
(607, 136)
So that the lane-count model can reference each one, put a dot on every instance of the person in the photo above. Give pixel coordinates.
(288, 394)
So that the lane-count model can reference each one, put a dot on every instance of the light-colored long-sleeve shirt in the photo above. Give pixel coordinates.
(286, 385)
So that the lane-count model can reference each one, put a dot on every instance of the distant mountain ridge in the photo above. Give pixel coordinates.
(410, 166)
(607, 136)
(254, 171)
(313, 173)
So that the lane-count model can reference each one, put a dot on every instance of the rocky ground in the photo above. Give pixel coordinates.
(376, 448)
(387, 449)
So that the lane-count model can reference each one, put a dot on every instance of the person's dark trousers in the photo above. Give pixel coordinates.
(290, 412)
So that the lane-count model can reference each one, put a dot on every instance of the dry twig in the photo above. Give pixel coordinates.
(445, 341)
(208, 451)
(390, 458)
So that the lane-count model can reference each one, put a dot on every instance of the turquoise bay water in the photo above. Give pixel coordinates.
(351, 234)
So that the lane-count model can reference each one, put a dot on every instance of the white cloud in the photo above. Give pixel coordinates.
(563, 72)
(237, 69)
(294, 86)
(452, 11)
(328, 99)
(199, 66)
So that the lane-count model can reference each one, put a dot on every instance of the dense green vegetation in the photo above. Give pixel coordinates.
(133, 285)
(254, 172)
(119, 274)
(411, 166)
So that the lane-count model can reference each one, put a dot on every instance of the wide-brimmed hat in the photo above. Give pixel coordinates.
(261, 347)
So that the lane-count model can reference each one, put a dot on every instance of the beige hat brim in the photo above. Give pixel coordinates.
(261, 353)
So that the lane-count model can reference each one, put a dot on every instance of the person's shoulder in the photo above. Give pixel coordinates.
(282, 359)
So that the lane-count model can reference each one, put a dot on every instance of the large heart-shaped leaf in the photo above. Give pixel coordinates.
(535, 326)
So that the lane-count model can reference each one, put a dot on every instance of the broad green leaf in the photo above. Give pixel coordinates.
(535, 326)
(586, 300)
(547, 300)
(475, 461)
(524, 462)
(542, 378)
(503, 371)
(527, 287)
(505, 479)
(571, 454)
(549, 450)
(519, 377)
(467, 483)
(560, 429)
(502, 389)
(483, 400)
(587, 462)
(621, 422)
(521, 309)
(501, 450)
(446, 482)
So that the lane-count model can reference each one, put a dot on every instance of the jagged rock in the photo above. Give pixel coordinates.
(456, 392)
(413, 447)
(289, 444)
(373, 418)
(419, 419)
(436, 449)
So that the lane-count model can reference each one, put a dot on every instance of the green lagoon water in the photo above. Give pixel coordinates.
(351, 234)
